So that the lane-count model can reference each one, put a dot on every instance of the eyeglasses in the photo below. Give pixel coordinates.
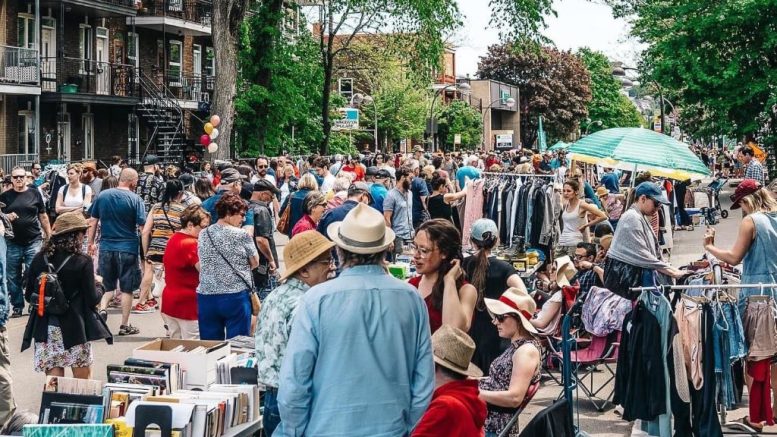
(18, 177)
(242, 214)
(576, 256)
(423, 252)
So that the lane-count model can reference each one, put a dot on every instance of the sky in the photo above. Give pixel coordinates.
(579, 23)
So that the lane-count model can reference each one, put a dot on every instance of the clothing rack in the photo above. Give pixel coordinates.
(741, 427)
(531, 175)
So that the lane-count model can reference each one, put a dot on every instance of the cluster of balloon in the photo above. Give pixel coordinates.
(211, 133)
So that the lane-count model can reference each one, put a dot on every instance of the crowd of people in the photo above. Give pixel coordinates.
(455, 350)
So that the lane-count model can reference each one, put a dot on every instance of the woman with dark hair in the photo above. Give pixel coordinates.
(203, 189)
(574, 219)
(63, 340)
(206, 171)
(109, 182)
(162, 221)
(449, 299)
(182, 267)
(490, 277)
(313, 206)
(439, 203)
(227, 255)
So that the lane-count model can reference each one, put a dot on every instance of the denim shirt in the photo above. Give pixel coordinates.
(359, 358)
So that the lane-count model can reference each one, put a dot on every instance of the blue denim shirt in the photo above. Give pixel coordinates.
(359, 358)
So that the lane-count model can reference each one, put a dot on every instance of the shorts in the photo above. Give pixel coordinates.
(155, 258)
(121, 268)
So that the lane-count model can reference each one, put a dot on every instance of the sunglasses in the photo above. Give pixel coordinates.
(500, 317)
(18, 177)
(261, 166)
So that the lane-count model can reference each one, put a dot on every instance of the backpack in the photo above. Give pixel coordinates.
(49, 298)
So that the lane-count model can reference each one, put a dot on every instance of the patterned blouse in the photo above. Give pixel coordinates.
(167, 220)
(499, 375)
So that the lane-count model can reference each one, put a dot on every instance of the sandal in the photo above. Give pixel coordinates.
(756, 426)
(128, 330)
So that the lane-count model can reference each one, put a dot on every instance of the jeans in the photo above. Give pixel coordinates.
(271, 416)
(15, 256)
(723, 370)
(7, 404)
(736, 333)
(230, 312)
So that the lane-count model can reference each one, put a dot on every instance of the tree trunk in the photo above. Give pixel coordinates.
(327, 124)
(227, 17)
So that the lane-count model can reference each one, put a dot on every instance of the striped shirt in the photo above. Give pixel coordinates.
(167, 221)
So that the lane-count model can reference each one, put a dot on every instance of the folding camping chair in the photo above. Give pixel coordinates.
(514, 421)
(601, 351)
(554, 337)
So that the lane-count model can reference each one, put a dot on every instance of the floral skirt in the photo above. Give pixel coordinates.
(52, 353)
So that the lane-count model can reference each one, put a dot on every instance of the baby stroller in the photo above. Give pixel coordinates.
(713, 190)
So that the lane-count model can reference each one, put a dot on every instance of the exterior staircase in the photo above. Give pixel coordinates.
(160, 111)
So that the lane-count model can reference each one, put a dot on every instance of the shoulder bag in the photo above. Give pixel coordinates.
(256, 305)
(283, 220)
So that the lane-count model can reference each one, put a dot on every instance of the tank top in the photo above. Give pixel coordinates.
(435, 315)
(570, 233)
(439, 209)
(76, 201)
(760, 263)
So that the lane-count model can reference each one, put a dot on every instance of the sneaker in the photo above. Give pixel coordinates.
(142, 308)
(152, 303)
(17, 312)
(104, 315)
(128, 330)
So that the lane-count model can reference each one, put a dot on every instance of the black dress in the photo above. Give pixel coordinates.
(488, 344)
(439, 209)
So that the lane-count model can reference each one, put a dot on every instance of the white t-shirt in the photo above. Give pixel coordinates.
(328, 184)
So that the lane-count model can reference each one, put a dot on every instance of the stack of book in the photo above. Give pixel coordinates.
(71, 401)
(164, 377)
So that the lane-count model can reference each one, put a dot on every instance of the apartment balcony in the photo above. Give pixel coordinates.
(190, 90)
(188, 17)
(19, 71)
(73, 80)
(94, 8)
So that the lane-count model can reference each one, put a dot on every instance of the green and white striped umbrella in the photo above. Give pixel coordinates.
(639, 148)
(558, 146)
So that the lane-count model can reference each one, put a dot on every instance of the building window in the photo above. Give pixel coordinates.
(345, 87)
(133, 52)
(27, 132)
(175, 5)
(210, 67)
(85, 47)
(174, 63)
(25, 24)
(133, 133)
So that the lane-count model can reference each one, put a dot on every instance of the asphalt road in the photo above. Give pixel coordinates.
(28, 385)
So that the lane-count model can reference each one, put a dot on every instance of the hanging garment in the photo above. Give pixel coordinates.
(604, 311)
(553, 421)
(720, 333)
(760, 329)
(760, 392)
(688, 312)
(473, 210)
(660, 307)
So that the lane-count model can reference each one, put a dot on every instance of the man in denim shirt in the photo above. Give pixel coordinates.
(359, 358)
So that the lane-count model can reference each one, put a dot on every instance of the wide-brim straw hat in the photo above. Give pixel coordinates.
(69, 222)
(302, 249)
(517, 302)
(452, 348)
(363, 231)
(565, 270)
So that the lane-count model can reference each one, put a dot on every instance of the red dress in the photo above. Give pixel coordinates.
(435, 315)
(179, 297)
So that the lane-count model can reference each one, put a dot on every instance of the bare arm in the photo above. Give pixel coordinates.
(526, 360)
(44, 222)
(90, 233)
(547, 314)
(457, 304)
(599, 215)
(737, 253)
(515, 281)
(387, 217)
(264, 248)
(452, 197)
(253, 262)
(145, 238)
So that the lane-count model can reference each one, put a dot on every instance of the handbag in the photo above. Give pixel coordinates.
(620, 277)
(283, 220)
(256, 305)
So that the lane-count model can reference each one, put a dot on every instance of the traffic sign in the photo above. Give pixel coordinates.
(350, 120)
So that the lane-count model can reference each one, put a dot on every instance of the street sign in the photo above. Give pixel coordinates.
(457, 139)
(504, 141)
(503, 96)
(350, 120)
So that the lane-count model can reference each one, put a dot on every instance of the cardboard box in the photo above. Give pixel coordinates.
(200, 368)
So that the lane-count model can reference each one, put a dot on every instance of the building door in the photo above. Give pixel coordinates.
(197, 72)
(26, 132)
(103, 66)
(87, 127)
(48, 55)
(63, 129)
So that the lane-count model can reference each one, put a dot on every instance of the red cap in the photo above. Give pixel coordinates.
(745, 188)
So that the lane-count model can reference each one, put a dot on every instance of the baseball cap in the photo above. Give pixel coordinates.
(483, 226)
(265, 185)
(744, 189)
(358, 187)
(150, 160)
(382, 174)
(187, 179)
(229, 175)
(652, 191)
(372, 171)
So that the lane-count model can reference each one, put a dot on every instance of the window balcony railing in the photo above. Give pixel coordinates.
(123, 3)
(195, 11)
(19, 66)
(86, 76)
(187, 86)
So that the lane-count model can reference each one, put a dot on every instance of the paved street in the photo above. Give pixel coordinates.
(28, 384)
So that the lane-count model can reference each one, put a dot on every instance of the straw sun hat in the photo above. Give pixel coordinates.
(302, 249)
(452, 348)
(69, 222)
(363, 231)
(516, 302)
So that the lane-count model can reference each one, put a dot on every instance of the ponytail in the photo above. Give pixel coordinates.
(480, 270)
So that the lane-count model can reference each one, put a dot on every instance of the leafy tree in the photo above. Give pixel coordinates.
(554, 84)
(459, 118)
(608, 105)
(280, 89)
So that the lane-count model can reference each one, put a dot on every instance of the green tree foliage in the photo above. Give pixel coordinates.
(459, 118)
(280, 89)
(608, 105)
(718, 57)
(553, 84)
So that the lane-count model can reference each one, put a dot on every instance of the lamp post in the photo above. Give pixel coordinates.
(590, 123)
(462, 87)
(359, 99)
(509, 102)
(620, 70)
